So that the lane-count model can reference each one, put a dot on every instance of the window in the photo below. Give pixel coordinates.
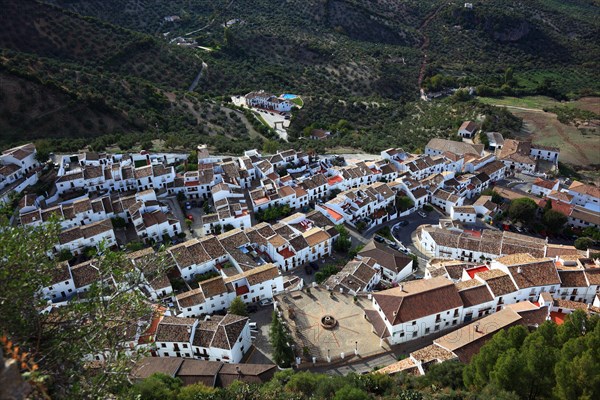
(70, 290)
(163, 345)
(401, 334)
(427, 330)
(414, 322)
(437, 327)
(415, 334)
(185, 346)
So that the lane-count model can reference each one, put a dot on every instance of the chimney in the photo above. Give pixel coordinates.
(401, 287)
(519, 270)
(238, 369)
(477, 328)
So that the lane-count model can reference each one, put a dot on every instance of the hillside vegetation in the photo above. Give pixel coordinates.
(118, 63)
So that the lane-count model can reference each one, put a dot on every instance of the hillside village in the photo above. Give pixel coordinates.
(412, 251)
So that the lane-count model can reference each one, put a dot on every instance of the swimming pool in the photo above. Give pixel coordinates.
(288, 96)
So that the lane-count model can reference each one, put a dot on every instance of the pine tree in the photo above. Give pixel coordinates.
(283, 354)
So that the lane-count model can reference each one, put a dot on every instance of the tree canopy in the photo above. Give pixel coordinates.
(523, 210)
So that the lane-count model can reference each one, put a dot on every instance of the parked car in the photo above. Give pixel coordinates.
(266, 302)
(188, 205)
(252, 325)
(314, 265)
(379, 239)
(190, 217)
(422, 214)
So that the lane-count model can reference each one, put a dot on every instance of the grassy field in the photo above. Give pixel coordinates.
(536, 102)
(579, 145)
(541, 102)
(576, 147)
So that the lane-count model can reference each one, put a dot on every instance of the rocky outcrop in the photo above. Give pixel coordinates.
(12, 385)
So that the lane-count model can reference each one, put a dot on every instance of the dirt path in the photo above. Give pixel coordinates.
(425, 43)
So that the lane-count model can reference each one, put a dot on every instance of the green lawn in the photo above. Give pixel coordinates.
(536, 102)
(297, 101)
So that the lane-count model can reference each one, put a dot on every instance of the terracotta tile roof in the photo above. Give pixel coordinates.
(233, 239)
(544, 183)
(213, 287)
(262, 274)
(85, 273)
(315, 235)
(499, 282)
(519, 258)
(539, 273)
(61, 273)
(466, 341)
(417, 299)
(459, 148)
(593, 276)
(148, 366)
(213, 247)
(407, 365)
(573, 278)
(221, 333)
(432, 352)
(190, 298)
(582, 188)
(475, 295)
(175, 329)
(385, 256)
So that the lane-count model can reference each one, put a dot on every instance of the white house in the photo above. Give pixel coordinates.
(262, 99)
(222, 338)
(543, 187)
(417, 309)
(467, 129)
(394, 265)
(463, 213)
(446, 200)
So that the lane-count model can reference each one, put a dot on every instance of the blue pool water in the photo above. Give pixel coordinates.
(289, 96)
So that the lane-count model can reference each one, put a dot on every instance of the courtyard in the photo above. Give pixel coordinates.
(329, 325)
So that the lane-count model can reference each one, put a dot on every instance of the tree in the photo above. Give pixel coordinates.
(403, 203)
(157, 387)
(583, 243)
(343, 242)
(523, 209)
(350, 393)
(496, 197)
(283, 354)
(554, 220)
(90, 327)
(238, 307)
(118, 223)
(42, 148)
(196, 391)
(270, 146)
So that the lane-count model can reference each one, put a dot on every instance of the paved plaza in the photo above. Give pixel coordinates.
(329, 324)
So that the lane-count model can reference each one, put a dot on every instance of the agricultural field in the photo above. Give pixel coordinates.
(578, 146)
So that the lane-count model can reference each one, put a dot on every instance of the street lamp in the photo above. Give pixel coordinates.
(328, 358)
(356, 348)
